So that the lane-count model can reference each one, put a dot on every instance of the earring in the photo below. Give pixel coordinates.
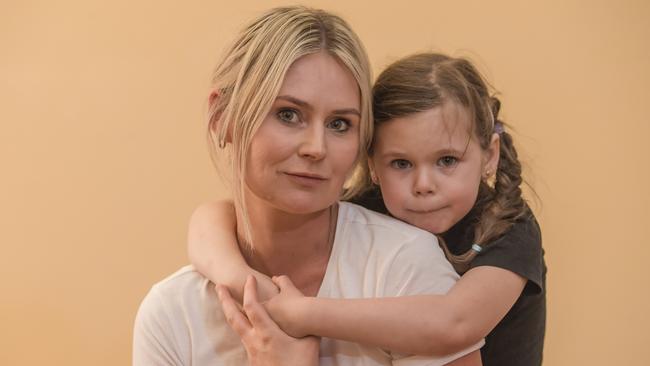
(487, 174)
(374, 179)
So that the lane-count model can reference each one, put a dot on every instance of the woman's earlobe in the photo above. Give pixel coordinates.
(213, 98)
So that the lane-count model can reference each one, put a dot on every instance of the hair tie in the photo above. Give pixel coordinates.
(498, 127)
(477, 248)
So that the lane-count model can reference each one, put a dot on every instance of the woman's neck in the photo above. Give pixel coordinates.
(296, 245)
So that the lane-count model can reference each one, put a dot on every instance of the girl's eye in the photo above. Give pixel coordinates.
(400, 164)
(288, 115)
(447, 161)
(339, 125)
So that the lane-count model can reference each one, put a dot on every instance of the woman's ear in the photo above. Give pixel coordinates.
(215, 117)
(213, 99)
(491, 156)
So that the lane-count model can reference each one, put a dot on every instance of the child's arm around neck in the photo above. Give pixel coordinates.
(213, 250)
(423, 325)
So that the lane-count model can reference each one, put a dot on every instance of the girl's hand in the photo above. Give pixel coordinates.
(288, 309)
(265, 343)
(266, 289)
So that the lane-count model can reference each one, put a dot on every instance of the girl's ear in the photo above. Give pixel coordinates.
(491, 156)
(371, 168)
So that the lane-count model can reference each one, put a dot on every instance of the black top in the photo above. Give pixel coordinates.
(519, 338)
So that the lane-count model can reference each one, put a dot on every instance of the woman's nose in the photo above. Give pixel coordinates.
(424, 183)
(313, 145)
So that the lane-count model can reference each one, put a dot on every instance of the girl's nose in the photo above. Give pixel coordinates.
(313, 145)
(424, 183)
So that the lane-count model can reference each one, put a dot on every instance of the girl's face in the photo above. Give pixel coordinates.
(429, 166)
(308, 144)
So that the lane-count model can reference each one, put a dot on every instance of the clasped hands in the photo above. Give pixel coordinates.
(265, 342)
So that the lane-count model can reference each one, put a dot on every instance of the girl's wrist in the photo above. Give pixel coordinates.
(305, 316)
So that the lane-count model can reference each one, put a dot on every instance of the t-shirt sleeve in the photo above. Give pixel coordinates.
(421, 268)
(153, 343)
(519, 250)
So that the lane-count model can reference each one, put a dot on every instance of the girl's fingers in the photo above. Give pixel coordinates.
(255, 312)
(285, 284)
(235, 318)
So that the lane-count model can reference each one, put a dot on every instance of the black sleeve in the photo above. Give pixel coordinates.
(519, 250)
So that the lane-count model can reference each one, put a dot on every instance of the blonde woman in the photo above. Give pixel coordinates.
(291, 102)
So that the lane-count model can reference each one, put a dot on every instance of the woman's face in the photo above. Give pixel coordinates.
(308, 143)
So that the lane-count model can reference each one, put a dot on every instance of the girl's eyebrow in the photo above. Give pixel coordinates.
(450, 151)
(399, 153)
(305, 104)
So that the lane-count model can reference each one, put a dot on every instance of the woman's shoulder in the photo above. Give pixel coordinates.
(171, 293)
(370, 222)
(368, 234)
(180, 322)
(399, 258)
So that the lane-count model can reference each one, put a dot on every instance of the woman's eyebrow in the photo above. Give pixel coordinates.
(295, 101)
(348, 111)
(304, 104)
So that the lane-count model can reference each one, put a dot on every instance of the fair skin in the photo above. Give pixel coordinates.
(297, 163)
(429, 166)
(425, 178)
(265, 343)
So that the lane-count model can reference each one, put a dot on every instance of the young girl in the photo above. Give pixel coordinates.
(441, 160)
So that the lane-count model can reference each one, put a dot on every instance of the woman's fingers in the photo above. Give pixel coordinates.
(235, 318)
(255, 312)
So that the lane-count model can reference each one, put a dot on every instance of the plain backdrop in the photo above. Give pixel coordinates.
(103, 155)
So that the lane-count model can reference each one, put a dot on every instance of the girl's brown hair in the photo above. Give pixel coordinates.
(424, 81)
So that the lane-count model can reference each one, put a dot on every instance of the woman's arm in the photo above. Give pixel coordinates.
(422, 325)
(213, 250)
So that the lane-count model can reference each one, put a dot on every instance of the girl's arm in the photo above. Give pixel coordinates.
(421, 325)
(213, 250)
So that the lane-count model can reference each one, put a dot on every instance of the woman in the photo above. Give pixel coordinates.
(291, 101)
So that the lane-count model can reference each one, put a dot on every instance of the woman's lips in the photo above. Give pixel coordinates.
(306, 178)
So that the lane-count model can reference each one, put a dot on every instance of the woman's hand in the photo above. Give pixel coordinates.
(266, 344)
(289, 308)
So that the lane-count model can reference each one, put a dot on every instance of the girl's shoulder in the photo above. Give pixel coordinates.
(520, 251)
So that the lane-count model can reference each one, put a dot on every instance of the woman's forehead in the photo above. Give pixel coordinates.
(321, 79)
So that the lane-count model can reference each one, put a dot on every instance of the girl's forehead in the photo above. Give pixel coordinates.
(446, 124)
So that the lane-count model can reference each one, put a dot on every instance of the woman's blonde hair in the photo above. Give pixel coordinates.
(248, 78)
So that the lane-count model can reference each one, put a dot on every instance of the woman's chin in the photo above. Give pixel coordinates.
(302, 204)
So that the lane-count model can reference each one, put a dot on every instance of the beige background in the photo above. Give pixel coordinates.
(103, 156)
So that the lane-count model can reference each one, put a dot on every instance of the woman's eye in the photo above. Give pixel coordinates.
(339, 125)
(288, 115)
(400, 164)
(447, 161)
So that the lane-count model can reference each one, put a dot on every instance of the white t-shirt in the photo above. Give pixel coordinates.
(180, 321)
